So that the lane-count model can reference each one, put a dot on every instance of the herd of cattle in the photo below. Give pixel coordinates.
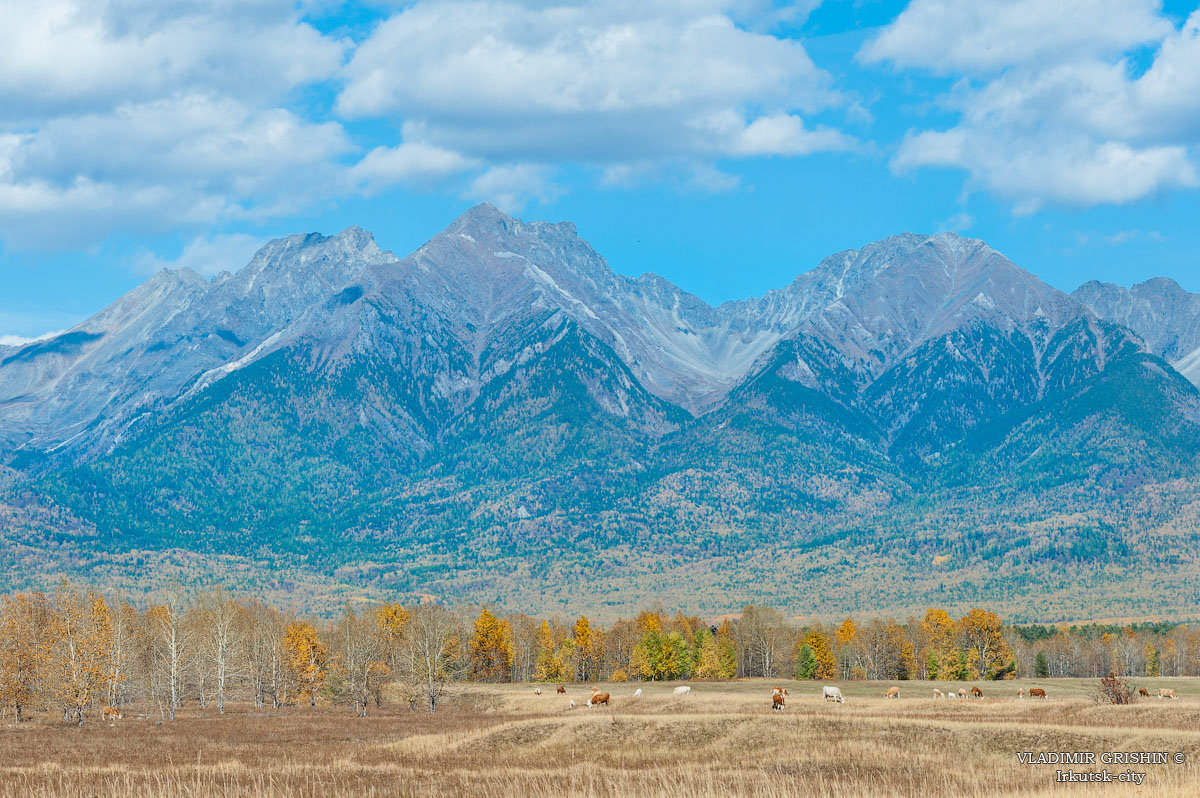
(779, 695)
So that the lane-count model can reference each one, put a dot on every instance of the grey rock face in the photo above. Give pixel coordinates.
(1160, 311)
(85, 386)
(483, 295)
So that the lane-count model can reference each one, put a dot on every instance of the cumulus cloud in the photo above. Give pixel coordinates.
(136, 115)
(206, 255)
(183, 160)
(414, 163)
(985, 35)
(608, 83)
(1051, 109)
(68, 56)
(511, 187)
(147, 117)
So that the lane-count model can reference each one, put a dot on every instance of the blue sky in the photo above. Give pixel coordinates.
(725, 144)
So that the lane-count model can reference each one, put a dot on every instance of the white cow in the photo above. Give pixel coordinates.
(832, 694)
(637, 693)
(683, 690)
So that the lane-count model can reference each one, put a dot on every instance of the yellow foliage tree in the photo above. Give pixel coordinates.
(83, 626)
(987, 651)
(588, 650)
(26, 648)
(550, 665)
(825, 664)
(491, 648)
(305, 658)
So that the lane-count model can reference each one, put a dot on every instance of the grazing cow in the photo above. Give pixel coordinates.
(597, 698)
(951, 694)
(962, 693)
(1037, 692)
(779, 699)
(637, 693)
(938, 693)
(682, 690)
(537, 691)
(1021, 693)
(572, 704)
(1143, 692)
(562, 690)
(832, 694)
(893, 692)
(975, 691)
(1166, 692)
(111, 713)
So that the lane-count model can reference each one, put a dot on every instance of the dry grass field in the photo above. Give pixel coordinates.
(723, 739)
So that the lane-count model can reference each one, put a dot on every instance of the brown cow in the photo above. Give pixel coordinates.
(111, 713)
(893, 692)
(975, 691)
(562, 690)
(1143, 692)
(1166, 692)
(779, 699)
(597, 698)
(1037, 692)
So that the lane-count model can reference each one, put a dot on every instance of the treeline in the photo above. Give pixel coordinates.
(77, 652)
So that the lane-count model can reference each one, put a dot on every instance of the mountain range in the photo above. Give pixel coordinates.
(501, 417)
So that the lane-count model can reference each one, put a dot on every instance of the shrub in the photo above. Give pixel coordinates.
(1114, 691)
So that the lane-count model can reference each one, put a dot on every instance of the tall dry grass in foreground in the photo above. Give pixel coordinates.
(721, 740)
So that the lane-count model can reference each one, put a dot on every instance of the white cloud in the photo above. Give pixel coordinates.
(1034, 170)
(407, 163)
(142, 116)
(607, 83)
(206, 255)
(511, 187)
(1050, 109)
(188, 160)
(988, 35)
(68, 56)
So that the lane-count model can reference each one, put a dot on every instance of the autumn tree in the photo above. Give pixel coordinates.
(814, 660)
(588, 650)
(491, 648)
(941, 654)
(550, 665)
(82, 626)
(987, 651)
(305, 658)
(846, 647)
(26, 647)
(660, 657)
